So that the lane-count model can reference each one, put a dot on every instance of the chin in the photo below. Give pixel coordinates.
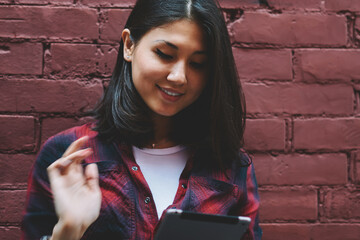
(166, 113)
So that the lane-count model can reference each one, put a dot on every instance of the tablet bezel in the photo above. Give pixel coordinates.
(179, 225)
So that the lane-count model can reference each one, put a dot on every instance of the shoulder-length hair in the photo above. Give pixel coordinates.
(214, 124)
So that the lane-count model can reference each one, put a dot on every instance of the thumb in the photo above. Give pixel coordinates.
(92, 176)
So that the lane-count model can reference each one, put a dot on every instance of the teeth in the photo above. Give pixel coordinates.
(171, 93)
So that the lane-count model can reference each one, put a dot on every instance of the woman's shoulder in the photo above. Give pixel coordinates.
(55, 146)
(71, 134)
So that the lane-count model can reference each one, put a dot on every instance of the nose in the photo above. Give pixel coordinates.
(177, 74)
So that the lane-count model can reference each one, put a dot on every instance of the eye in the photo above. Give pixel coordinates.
(197, 65)
(163, 55)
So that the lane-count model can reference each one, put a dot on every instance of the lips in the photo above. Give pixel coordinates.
(170, 94)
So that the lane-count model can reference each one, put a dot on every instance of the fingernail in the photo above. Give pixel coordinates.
(87, 151)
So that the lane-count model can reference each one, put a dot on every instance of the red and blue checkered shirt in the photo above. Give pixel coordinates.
(127, 209)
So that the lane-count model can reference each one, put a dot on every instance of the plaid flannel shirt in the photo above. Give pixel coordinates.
(127, 209)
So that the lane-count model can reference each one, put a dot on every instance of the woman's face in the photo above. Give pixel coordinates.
(169, 66)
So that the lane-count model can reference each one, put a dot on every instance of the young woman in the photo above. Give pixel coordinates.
(168, 134)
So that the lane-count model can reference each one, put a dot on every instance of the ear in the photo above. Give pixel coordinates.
(128, 45)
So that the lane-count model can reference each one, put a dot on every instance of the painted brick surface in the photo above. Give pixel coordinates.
(265, 134)
(299, 99)
(10, 233)
(45, 22)
(350, 5)
(288, 204)
(301, 169)
(336, 231)
(17, 132)
(80, 60)
(49, 96)
(235, 4)
(109, 3)
(295, 5)
(10, 172)
(342, 204)
(298, 62)
(21, 58)
(334, 134)
(329, 64)
(12, 205)
(293, 231)
(263, 64)
(290, 29)
(114, 24)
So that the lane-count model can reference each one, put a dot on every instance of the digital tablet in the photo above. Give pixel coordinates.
(182, 225)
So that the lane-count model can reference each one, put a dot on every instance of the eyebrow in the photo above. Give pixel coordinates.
(176, 47)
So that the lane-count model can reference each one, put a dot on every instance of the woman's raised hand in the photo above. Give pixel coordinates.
(77, 195)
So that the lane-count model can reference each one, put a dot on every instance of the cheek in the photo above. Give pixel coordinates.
(198, 85)
(145, 70)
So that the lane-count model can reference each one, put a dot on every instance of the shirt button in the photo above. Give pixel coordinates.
(135, 168)
(147, 200)
(183, 186)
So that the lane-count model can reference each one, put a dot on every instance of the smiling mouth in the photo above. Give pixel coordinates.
(170, 93)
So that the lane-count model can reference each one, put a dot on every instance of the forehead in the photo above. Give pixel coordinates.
(183, 33)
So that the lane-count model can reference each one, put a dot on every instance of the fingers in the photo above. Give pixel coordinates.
(92, 176)
(75, 146)
(74, 158)
(63, 164)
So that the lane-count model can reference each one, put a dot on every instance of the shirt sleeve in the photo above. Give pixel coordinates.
(249, 204)
(40, 218)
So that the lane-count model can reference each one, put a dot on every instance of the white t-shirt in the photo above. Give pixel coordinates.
(162, 169)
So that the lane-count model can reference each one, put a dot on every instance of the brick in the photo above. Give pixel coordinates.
(357, 166)
(14, 168)
(81, 60)
(290, 29)
(342, 204)
(109, 3)
(336, 5)
(357, 29)
(229, 4)
(299, 99)
(21, 58)
(293, 231)
(73, 59)
(107, 60)
(53, 2)
(48, 95)
(263, 64)
(319, 169)
(47, 22)
(328, 64)
(332, 134)
(335, 231)
(115, 22)
(10, 233)
(17, 132)
(265, 134)
(288, 204)
(290, 4)
(52, 126)
(12, 205)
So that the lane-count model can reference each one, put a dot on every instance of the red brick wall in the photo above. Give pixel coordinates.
(299, 62)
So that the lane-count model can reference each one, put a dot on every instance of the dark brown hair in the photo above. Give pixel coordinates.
(214, 124)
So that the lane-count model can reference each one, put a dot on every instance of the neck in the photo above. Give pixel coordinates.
(162, 128)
